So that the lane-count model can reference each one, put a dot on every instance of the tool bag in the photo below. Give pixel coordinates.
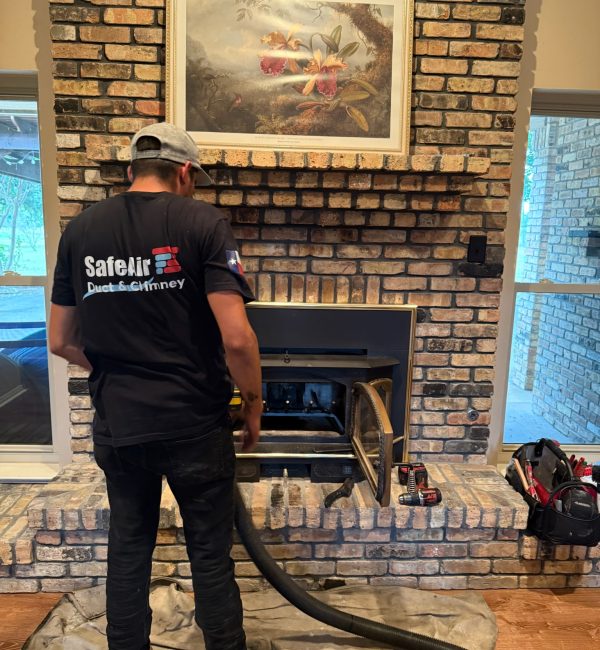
(566, 508)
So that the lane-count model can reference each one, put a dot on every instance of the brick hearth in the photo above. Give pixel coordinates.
(54, 537)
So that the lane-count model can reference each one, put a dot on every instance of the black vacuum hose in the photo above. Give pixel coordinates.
(301, 599)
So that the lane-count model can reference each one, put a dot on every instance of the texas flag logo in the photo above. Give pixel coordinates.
(234, 263)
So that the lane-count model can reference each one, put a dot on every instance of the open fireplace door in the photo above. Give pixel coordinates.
(372, 438)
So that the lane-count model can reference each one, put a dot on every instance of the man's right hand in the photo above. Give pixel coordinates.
(251, 429)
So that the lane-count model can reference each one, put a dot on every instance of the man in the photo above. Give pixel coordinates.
(148, 290)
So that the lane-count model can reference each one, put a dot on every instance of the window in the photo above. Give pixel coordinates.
(553, 379)
(29, 417)
(24, 387)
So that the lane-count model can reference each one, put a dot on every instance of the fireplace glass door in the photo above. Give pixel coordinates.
(372, 439)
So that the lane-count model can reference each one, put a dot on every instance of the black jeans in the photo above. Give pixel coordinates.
(200, 473)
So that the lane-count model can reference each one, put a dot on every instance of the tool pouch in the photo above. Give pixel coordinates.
(567, 512)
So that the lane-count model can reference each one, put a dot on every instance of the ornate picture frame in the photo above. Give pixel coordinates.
(291, 74)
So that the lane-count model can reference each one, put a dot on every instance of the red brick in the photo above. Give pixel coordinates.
(132, 89)
(150, 107)
(470, 85)
(139, 53)
(474, 49)
(128, 125)
(405, 284)
(451, 315)
(148, 72)
(425, 47)
(433, 236)
(63, 14)
(333, 267)
(105, 34)
(472, 360)
(469, 120)
(500, 32)
(361, 567)
(449, 252)
(427, 118)
(476, 13)
(432, 10)
(106, 70)
(431, 65)
(446, 30)
(428, 268)
(129, 16)
(477, 300)
(353, 251)
(148, 35)
(516, 566)
(428, 82)
(108, 106)
(495, 69)
(75, 87)
(507, 87)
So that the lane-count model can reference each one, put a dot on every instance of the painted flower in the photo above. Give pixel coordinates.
(323, 74)
(278, 57)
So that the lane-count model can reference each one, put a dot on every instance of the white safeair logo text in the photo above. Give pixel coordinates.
(163, 262)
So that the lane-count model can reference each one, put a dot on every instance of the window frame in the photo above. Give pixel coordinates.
(560, 103)
(41, 462)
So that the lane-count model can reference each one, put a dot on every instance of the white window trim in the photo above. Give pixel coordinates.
(32, 463)
(544, 102)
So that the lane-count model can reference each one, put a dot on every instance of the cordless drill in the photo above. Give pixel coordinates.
(424, 497)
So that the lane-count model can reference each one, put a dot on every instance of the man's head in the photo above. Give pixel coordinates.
(168, 154)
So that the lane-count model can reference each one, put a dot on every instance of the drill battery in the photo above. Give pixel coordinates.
(413, 476)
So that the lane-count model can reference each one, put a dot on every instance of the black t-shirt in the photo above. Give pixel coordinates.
(139, 266)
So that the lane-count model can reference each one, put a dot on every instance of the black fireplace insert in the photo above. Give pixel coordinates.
(336, 392)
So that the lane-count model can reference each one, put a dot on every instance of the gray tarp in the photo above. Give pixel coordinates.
(78, 621)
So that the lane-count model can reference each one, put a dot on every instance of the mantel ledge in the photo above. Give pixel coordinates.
(342, 161)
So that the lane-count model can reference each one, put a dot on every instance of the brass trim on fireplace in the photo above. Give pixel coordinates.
(409, 379)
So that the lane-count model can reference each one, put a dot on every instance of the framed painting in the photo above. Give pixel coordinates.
(291, 74)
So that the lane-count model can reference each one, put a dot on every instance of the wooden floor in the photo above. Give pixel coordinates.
(540, 619)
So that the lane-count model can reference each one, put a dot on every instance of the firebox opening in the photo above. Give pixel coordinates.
(304, 406)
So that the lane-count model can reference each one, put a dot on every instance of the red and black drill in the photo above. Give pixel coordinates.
(414, 476)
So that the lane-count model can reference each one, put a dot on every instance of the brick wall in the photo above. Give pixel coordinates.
(335, 227)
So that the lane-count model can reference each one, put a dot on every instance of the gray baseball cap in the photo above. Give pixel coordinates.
(176, 145)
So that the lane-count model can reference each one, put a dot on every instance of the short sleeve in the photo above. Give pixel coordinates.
(62, 289)
(223, 269)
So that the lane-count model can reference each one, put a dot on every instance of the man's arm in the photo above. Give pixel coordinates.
(65, 340)
(243, 359)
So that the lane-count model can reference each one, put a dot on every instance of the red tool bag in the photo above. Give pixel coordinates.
(562, 508)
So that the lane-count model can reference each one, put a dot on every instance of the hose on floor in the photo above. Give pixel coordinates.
(306, 603)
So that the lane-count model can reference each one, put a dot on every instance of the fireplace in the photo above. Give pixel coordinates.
(336, 391)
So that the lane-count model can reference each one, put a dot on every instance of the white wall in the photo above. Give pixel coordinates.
(568, 45)
(17, 45)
